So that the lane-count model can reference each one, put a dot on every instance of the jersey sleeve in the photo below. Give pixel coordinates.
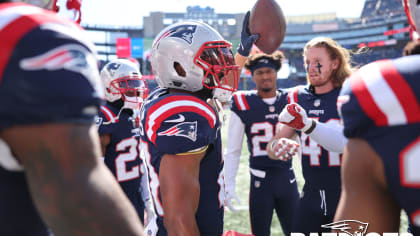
(355, 122)
(239, 103)
(51, 76)
(180, 126)
(105, 123)
(379, 95)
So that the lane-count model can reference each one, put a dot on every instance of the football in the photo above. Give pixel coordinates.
(268, 21)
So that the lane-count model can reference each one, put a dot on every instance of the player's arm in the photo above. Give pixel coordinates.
(232, 157)
(180, 188)
(247, 40)
(73, 191)
(364, 186)
(105, 139)
(329, 136)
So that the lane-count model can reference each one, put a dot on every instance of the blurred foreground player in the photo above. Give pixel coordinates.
(180, 130)
(51, 176)
(118, 123)
(381, 115)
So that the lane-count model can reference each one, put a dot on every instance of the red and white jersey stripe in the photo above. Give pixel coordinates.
(292, 96)
(110, 116)
(173, 105)
(385, 97)
(240, 100)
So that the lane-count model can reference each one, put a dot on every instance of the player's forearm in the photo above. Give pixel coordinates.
(80, 207)
(329, 136)
(240, 60)
(74, 193)
(181, 225)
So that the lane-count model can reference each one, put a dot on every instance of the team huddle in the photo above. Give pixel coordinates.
(84, 152)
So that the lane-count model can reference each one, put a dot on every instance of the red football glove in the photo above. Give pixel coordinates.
(295, 116)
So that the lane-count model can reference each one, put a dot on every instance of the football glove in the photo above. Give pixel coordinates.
(150, 211)
(231, 195)
(295, 116)
(283, 149)
(246, 38)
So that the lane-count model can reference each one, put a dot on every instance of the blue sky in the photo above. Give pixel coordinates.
(131, 12)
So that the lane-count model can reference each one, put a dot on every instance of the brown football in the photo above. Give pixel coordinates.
(268, 21)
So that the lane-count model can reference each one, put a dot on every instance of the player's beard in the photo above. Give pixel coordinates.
(267, 90)
(318, 82)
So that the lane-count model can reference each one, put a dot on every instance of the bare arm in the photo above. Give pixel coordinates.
(364, 195)
(74, 192)
(105, 140)
(240, 60)
(180, 188)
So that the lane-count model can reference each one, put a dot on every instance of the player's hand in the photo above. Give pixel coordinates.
(150, 211)
(295, 116)
(283, 149)
(231, 195)
(151, 228)
(246, 38)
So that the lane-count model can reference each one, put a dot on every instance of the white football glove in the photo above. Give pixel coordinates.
(151, 228)
(283, 149)
(150, 211)
(231, 195)
(295, 116)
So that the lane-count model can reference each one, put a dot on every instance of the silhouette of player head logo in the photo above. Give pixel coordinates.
(113, 67)
(185, 32)
(350, 227)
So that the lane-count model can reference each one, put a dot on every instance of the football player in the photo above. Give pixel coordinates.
(51, 176)
(255, 113)
(118, 123)
(381, 116)
(327, 65)
(180, 130)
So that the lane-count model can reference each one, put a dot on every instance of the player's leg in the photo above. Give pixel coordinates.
(261, 205)
(332, 198)
(287, 197)
(309, 214)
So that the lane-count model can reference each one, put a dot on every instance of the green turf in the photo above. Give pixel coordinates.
(239, 221)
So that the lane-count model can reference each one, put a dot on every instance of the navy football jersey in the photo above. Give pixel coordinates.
(48, 73)
(321, 168)
(121, 154)
(261, 123)
(381, 104)
(178, 123)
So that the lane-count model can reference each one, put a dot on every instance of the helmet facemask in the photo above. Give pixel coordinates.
(221, 74)
(132, 89)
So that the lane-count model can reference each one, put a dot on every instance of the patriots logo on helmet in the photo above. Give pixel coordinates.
(185, 32)
(350, 227)
(185, 129)
(113, 67)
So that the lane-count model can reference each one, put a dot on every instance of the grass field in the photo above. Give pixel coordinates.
(239, 221)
